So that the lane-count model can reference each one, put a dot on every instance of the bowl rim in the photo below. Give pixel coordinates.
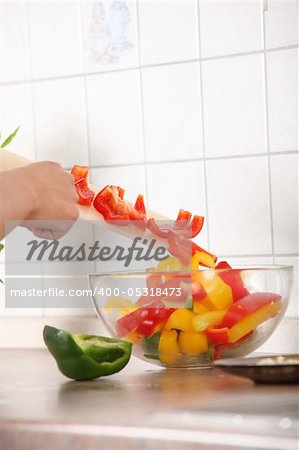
(251, 268)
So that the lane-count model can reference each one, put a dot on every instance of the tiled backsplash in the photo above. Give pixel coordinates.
(192, 103)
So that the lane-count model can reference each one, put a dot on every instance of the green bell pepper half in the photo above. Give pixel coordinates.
(84, 356)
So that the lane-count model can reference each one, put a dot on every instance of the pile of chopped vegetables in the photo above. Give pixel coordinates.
(215, 312)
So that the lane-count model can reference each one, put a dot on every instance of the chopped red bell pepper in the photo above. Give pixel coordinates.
(85, 194)
(247, 305)
(184, 216)
(181, 226)
(217, 335)
(234, 279)
(109, 202)
(198, 292)
(180, 247)
(223, 265)
(144, 320)
(155, 317)
(165, 286)
(219, 348)
(139, 204)
(79, 172)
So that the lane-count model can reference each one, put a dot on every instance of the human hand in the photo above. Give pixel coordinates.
(53, 199)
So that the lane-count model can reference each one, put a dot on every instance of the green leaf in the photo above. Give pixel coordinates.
(1, 246)
(10, 138)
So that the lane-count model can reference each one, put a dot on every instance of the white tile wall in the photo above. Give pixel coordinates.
(239, 210)
(60, 120)
(293, 308)
(283, 99)
(172, 112)
(229, 27)
(284, 181)
(54, 38)
(168, 31)
(131, 178)
(281, 23)
(14, 52)
(124, 91)
(185, 182)
(115, 128)
(16, 109)
(234, 107)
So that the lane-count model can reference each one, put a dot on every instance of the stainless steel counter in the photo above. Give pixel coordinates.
(139, 408)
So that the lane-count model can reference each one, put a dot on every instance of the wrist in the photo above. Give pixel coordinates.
(27, 192)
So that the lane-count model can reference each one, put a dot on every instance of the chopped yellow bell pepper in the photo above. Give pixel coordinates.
(203, 321)
(203, 306)
(181, 319)
(170, 264)
(251, 321)
(168, 346)
(193, 343)
(202, 258)
(219, 293)
(119, 302)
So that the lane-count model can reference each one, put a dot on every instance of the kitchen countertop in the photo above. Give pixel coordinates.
(141, 407)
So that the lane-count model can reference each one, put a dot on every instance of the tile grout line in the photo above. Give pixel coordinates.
(149, 66)
(178, 161)
(32, 99)
(86, 104)
(142, 105)
(84, 86)
(268, 133)
(203, 126)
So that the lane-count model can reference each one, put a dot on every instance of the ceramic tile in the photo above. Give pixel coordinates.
(239, 210)
(131, 178)
(233, 99)
(172, 186)
(284, 338)
(168, 31)
(228, 27)
(248, 261)
(284, 182)
(283, 99)
(60, 121)
(114, 110)
(109, 35)
(172, 112)
(293, 308)
(54, 38)
(281, 23)
(14, 57)
(16, 110)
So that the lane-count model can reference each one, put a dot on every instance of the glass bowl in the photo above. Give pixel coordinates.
(192, 318)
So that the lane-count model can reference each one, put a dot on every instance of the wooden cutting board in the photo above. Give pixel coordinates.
(9, 160)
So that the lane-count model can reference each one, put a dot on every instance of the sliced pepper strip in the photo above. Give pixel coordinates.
(143, 320)
(218, 292)
(181, 226)
(217, 335)
(234, 279)
(201, 322)
(247, 305)
(109, 202)
(180, 319)
(80, 174)
(251, 321)
(193, 343)
(168, 347)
